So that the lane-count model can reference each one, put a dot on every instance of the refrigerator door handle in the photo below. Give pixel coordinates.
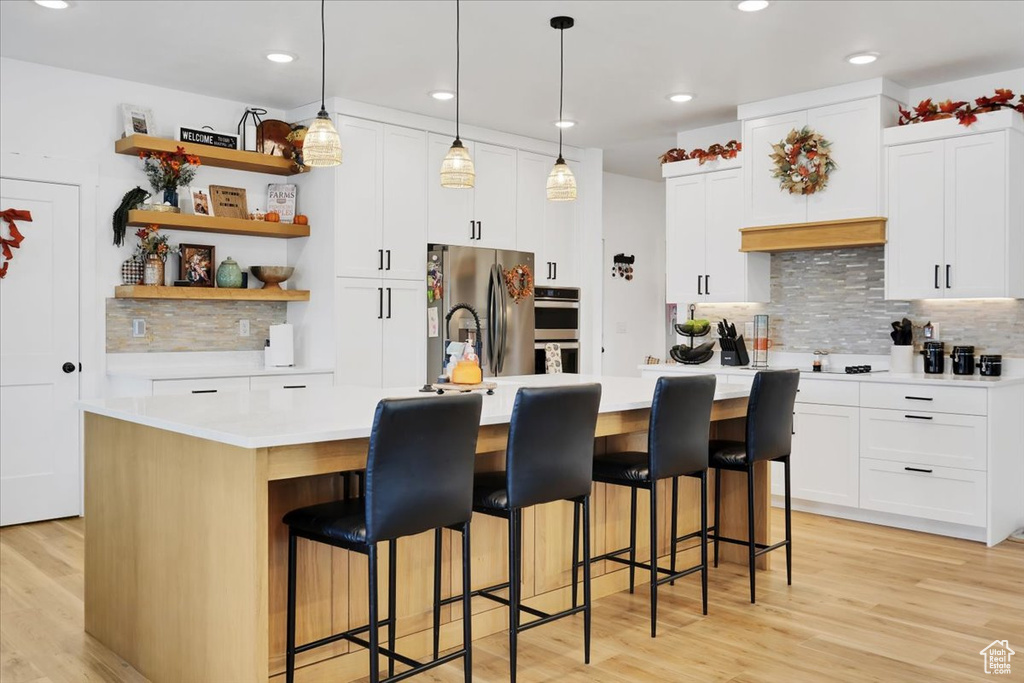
(491, 314)
(500, 276)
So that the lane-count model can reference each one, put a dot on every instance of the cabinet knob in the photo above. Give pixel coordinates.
(68, 368)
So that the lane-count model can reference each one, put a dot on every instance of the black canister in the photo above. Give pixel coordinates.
(934, 357)
(990, 365)
(963, 360)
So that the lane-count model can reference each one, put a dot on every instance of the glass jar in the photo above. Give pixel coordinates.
(153, 272)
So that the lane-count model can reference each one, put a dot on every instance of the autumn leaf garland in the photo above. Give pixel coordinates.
(964, 112)
(727, 151)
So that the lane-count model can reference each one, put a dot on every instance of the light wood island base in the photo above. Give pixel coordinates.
(186, 555)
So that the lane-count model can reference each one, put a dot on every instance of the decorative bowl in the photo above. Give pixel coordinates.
(271, 276)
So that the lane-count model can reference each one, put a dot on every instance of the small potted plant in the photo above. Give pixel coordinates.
(167, 171)
(152, 250)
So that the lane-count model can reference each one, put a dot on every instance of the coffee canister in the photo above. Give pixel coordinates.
(934, 357)
(963, 360)
(990, 365)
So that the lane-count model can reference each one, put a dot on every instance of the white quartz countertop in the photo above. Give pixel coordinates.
(260, 419)
(885, 377)
(203, 372)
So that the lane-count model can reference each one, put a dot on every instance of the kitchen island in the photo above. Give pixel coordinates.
(186, 554)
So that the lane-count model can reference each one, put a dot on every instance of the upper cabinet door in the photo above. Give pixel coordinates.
(404, 345)
(725, 271)
(976, 217)
(360, 252)
(561, 238)
(764, 202)
(685, 262)
(914, 252)
(495, 196)
(405, 203)
(531, 203)
(855, 131)
(449, 212)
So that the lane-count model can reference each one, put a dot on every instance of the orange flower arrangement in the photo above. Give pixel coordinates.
(152, 243)
(170, 170)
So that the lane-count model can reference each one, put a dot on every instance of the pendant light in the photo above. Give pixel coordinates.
(322, 146)
(457, 170)
(561, 181)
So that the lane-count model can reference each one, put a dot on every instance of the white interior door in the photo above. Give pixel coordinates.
(39, 424)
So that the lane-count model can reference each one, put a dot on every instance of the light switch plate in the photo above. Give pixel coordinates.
(243, 328)
(138, 327)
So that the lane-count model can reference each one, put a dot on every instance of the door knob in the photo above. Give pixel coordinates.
(68, 368)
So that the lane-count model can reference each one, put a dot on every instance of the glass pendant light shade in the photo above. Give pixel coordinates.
(457, 171)
(561, 182)
(322, 146)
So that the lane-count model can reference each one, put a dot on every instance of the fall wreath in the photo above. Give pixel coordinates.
(519, 282)
(802, 161)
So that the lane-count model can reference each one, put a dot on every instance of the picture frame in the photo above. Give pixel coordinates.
(136, 120)
(195, 200)
(197, 264)
(228, 202)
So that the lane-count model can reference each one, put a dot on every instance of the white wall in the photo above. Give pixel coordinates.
(634, 311)
(967, 89)
(709, 135)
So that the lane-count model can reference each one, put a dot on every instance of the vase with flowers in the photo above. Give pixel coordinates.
(152, 250)
(167, 171)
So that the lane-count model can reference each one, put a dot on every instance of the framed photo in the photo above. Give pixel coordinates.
(197, 265)
(195, 200)
(136, 120)
(228, 202)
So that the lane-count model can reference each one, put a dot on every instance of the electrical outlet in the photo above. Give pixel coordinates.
(243, 328)
(138, 327)
(748, 330)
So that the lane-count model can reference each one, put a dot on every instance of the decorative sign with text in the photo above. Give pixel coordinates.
(203, 136)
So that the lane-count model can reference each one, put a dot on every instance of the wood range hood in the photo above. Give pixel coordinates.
(839, 234)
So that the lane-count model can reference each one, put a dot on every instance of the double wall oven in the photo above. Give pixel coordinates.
(556, 315)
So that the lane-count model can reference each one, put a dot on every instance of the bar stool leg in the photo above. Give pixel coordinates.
(654, 558)
(675, 508)
(752, 549)
(632, 536)
(290, 636)
(704, 539)
(586, 580)
(437, 592)
(392, 603)
(467, 611)
(513, 593)
(718, 505)
(789, 526)
(374, 633)
(575, 550)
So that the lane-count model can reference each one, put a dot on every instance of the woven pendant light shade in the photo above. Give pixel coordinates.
(322, 146)
(561, 182)
(457, 171)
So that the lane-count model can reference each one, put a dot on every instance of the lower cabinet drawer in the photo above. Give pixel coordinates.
(834, 392)
(265, 382)
(943, 494)
(181, 387)
(926, 438)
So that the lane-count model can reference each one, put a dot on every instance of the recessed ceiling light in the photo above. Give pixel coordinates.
(443, 95)
(681, 97)
(280, 57)
(566, 123)
(862, 58)
(53, 4)
(752, 5)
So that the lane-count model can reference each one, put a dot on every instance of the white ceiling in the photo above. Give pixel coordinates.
(622, 58)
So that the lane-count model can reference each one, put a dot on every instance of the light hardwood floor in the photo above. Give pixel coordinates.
(867, 604)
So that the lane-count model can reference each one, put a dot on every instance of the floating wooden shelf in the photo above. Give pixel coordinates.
(209, 293)
(211, 156)
(850, 233)
(227, 226)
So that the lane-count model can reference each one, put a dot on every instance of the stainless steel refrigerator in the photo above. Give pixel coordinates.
(476, 277)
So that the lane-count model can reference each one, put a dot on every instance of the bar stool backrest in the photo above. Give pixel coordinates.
(677, 439)
(419, 468)
(770, 414)
(550, 454)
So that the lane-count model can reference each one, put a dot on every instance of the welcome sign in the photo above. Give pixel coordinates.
(203, 136)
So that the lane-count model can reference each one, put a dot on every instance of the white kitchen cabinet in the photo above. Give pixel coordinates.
(290, 382)
(211, 385)
(405, 204)
(548, 229)
(482, 216)
(825, 463)
(956, 213)
(702, 240)
(381, 327)
(924, 438)
(940, 494)
(764, 202)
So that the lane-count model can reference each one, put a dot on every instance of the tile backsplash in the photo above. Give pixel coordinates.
(190, 325)
(834, 300)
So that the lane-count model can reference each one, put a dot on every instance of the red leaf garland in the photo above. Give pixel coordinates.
(964, 112)
(727, 151)
(14, 242)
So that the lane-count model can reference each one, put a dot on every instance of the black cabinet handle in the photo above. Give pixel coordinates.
(919, 417)
(698, 285)
(918, 398)
(948, 267)
(380, 303)
(294, 386)
(389, 303)
(479, 230)
(917, 469)
(472, 230)
(549, 270)
(936, 276)
(556, 269)
(68, 368)
(389, 260)
(707, 284)
(204, 391)
(380, 259)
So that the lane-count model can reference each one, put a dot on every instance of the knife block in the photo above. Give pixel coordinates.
(734, 351)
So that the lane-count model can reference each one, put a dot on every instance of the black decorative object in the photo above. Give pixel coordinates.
(622, 266)
(691, 355)
(131, 199)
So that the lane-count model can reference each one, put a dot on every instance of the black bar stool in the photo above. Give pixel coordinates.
(677, 445)
(769, 436)
(549, 457)
(419, 476)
